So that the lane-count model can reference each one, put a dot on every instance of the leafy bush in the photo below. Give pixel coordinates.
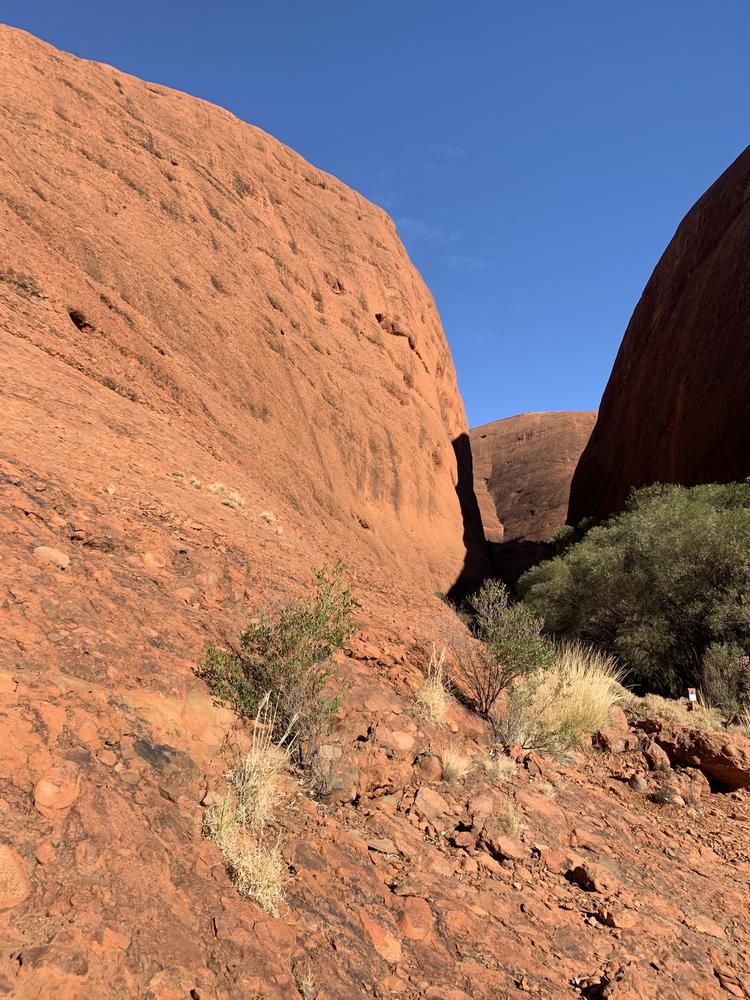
(657, 584)
(286, 656)
(725, 677)
(511, 644)
(549, 710)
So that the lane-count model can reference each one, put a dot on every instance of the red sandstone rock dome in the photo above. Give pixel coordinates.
(197, 298)
(677, 405)
(522, 471)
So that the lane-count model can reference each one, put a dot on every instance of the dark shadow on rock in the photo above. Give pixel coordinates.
(510, 560)
(476, 566)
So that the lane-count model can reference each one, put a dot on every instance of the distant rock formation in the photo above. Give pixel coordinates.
(522, 471)
(677, 405)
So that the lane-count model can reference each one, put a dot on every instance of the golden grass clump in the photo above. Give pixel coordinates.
(454, 764)
(653, 706)
(509, 819)
(591, 683)
(237, 822)
(500, 767)
(743, 722)
(254, 779)
(259, 872)
(433, 697)
(549, 710)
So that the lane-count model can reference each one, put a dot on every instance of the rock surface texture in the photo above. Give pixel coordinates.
(179, 292)
(145, 235)
(522, 471)
(677, 405)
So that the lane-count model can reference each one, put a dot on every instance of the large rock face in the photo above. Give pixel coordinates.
(522, 471)
(677, 405)
(181, 292)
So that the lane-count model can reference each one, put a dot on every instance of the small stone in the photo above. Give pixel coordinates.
(45, 852)
(52, 557)
(591, 877)
(393, 984)
(502, 846)
(656, 758)
(432, 806)
(86, 854)
(463, 839)
(14, 882)
(383, 941)
(666, 795)
(638, 783)
(428, 768)
(58, 789)
(115, 940)
(382, 845)
(416, 921)
(469, 865)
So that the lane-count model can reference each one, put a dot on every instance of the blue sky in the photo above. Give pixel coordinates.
(536, 156)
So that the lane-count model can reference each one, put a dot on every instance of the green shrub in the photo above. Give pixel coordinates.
(725, 678)
(655, 585)
(287, 656)
(523, 722)
(511, 644)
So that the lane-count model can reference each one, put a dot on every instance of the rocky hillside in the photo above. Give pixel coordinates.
(522, 471)
(676, 406)
(220, 369)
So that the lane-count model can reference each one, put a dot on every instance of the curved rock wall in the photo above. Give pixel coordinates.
(677, 405)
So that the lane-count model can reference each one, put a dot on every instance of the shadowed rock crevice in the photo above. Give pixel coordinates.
(476, 561)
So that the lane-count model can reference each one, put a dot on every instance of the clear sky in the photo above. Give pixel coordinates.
(536, 156)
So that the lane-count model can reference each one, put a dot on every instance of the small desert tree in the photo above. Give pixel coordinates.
(286, 656)
(510, 644)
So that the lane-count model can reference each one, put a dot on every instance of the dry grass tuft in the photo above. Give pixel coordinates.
(591, 683)
(305, 982)
(454, 764)
(551, 709)
(254, 777)
(509, 819)
(653, 706)
(433, 698)
(237, 823)
(546, 788)
(500, 767)
(743, 722)
(259, 872)
(234, 500)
